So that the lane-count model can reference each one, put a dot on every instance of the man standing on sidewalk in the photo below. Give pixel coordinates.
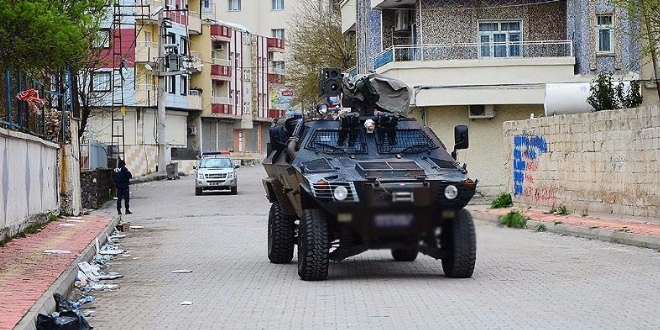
(121, 177)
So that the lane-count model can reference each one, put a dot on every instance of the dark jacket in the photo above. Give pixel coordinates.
(121, 176)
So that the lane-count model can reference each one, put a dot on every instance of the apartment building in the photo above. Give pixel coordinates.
(216, 79)
(484, 62)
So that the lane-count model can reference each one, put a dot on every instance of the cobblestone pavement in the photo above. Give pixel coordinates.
(523, 279)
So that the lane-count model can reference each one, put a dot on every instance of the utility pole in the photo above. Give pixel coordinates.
(161, 130)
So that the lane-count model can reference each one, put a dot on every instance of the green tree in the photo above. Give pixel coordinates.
(646, 12)
(606, 96)
(316, 41)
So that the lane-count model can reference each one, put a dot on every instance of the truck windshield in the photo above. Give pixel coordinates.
(403, 141)
(215, 163)
(333, 141)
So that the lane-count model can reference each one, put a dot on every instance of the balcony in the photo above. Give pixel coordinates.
(224, 110)
(221, 100)
(145, 51)
(276, 113)
(194, 22)
(146, 95)
(194, 100)
(348, 15)
(389, 4)
(275, 79)
(221, 72)
(277, 71)
(220, 32)
(275, 45)
(457, 74)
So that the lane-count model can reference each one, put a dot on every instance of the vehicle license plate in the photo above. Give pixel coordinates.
(399, 220)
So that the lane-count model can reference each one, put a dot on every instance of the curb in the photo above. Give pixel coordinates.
(620, 237)
(64, 283)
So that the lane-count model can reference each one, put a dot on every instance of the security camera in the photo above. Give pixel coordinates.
(148, 67)
(157, 10)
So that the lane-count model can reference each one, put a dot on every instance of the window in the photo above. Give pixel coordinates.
(278, 33)
(102, 39)
(278, 66)
(171, 84)
(183, 46)
(184, 85)
(234, 5)
(500, 39)
(605, 34)
(277, 4)
(101, 81)
(206, 6)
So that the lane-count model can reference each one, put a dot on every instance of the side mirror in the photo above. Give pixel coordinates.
(237, 165)
(461, 140)
(194, 167)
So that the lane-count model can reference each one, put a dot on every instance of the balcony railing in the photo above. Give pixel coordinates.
(221, 72)
(275, 45)
(145, 51)
(474, 51)
(221, 100)
(220, 32)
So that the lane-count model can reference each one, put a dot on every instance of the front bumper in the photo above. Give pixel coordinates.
(216, 184)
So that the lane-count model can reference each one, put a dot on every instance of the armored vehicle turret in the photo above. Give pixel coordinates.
(367, 178)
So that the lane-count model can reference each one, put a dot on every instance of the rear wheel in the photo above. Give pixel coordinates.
(404, 254)
(280, 235)
(313, 246)
(198, 191)
(458, 240)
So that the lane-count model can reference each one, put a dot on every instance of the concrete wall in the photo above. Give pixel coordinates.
(28, 180)
(606, 162)
(485, 158)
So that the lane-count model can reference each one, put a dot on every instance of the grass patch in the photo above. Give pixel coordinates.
(503, 200)
(514, 219)
(562, 210)
(31, 229)
(541, 228)
(585, 213)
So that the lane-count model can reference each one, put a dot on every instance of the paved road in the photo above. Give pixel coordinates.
(523, 279)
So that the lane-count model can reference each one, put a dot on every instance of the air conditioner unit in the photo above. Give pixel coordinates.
(478, 111)
(220, 46)
(192, 130)
(401, 20)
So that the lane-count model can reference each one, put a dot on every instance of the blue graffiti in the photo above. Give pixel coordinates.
(526, 149)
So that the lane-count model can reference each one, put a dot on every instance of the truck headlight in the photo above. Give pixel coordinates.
(200, 176)
(451, 192)
(231, 175)
(340, 193)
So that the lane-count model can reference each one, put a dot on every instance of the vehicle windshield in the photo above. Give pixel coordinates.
(403, 141)
(215, 163)
(333, 141)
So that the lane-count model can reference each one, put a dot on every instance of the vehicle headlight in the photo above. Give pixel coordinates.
(200, 176)
(230, 175)
(322, 108)
(340, 193)
(451, 192)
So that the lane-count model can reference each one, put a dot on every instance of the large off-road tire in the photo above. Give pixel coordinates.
(198, 191)
(280, 235)
(234, 190)
(458, 241)
(313, 246)
(404, 254)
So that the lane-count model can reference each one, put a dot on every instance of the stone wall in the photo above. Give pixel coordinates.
(97, 187)
(606, 161)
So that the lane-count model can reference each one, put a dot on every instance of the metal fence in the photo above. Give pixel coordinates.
(16, 114)
(473, 51)
(93, 154)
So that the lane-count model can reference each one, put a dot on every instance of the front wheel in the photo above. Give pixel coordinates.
(234, 190)
(313, 246)
(198, 191)
(459, 242)
(280, 235)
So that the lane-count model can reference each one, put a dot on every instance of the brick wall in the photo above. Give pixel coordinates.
(606, 161)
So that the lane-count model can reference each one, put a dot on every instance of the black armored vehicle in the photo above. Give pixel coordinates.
(367, 179)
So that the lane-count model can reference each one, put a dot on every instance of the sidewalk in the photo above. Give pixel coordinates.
(29, 277)
(636, 231)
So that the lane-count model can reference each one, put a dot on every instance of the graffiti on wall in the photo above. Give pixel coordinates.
(526, 151)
